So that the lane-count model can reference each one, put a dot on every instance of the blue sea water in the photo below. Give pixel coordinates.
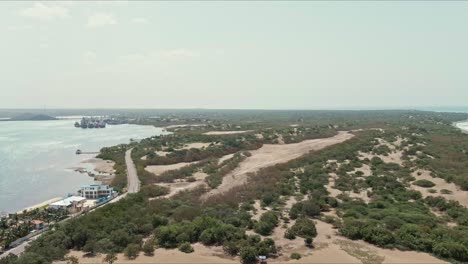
(36, 157)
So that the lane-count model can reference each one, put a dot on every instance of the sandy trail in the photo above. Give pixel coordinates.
(226, 132)
(160, 169)
(269, 155)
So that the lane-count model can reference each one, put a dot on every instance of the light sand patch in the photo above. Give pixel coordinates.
(457, 193)
(225, 157)
(280, 139)
(331, 182)
(226, 132)
(394, 157)
(361, 195)
(160, 169)
(365, 169)
(185, 125)
(159, 153)
(258, 210)
(271, 154)
(162, 153)
(202, 254)
(259, 136)
(100, 165)
(196, 145)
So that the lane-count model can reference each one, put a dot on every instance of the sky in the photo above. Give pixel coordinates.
(224, 54)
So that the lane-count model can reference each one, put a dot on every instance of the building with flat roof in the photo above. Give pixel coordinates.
(72, 204)
(96, 191)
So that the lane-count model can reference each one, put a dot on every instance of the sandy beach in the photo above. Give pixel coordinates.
(39, 205)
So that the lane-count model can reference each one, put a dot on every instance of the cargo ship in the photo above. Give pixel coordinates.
(91, 122)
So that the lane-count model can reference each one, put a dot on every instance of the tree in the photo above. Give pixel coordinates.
(308, 242)
(248, 255)
(186, 247)
(90, 247)
(71, 260)
(132, 250)
(110, 258)
(148, 248)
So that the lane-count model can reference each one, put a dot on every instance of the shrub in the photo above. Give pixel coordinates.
(304, 228)
(449, 249)
(154, 190)
(186, 247)
(289, 234)
(132, 250)
(445, 191)
(268, 221)
(424, 183)
(308, 242)
(248, 255)
(231, 248)
(296, 256)
(148, 248)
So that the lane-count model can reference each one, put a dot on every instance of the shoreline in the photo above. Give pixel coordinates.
(39, 205)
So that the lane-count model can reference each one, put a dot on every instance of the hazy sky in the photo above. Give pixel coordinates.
(301, 55)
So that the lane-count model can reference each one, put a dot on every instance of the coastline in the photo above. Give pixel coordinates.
(39, 205)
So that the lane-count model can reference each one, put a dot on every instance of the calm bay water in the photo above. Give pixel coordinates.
(36, 157)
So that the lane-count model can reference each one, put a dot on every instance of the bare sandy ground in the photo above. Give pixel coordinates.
(159, 169)
(457, 193)
(100, 165)
(202, 254)
(185, 125)
(270, 154)
(197, 145)
(225, 157)
(176, 187)
(226, 132)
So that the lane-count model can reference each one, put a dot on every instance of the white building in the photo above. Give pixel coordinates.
(95, 191)
(72, 204)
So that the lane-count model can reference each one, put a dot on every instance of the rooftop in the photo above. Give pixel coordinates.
(68, 201)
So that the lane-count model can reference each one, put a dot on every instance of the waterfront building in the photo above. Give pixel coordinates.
(96, 191)
(72, 204)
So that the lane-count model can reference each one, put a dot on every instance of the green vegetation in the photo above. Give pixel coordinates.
(424, 183)
(392, 215)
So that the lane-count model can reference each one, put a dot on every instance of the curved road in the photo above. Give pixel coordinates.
(133, 183)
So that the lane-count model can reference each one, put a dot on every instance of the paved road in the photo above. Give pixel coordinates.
(133, 183)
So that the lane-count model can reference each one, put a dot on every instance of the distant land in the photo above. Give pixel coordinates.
(32, 117)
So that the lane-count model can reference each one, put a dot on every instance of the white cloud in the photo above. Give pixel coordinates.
(42, 11)
(176, 53)
(139, 20)
(101, 19)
